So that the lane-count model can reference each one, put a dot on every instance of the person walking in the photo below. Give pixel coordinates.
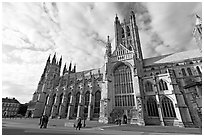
(79, 124)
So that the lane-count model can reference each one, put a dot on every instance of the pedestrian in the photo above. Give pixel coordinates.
(41, 120)
(79, 124)
(46, 121)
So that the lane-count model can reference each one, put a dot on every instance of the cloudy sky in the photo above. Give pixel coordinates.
(78, 32)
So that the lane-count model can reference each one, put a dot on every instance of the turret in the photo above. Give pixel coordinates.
(64, 70)
(117, 31)
(60, 62)
(197, 32)
(54, 59)
(70, 67)
(108, 47)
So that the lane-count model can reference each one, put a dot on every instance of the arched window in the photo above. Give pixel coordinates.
(128, 31)
(152, 107)
(163, 85)
(168, 108)
(123, 86)
(87, 95)
(53, 101)
(60, 102)
(68, 102)
(97, 102)
(198, 69)
(76, 103)
(183, 72)
(189, 71)
(123, 33)
(148, 86)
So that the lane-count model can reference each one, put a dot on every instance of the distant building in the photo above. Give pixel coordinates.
(151, 91)
(10, 107)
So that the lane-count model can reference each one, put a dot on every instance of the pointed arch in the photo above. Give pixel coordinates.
(68, 102)
(97, 102)
(76, 102)
(198, 69)
(163, 85)
(183, 72)
(60, 102)
(168, 107)
(152, 108)
(189, 71)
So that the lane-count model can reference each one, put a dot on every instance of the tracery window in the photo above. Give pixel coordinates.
(148, 86)
(163, 85)
(189, 71)
(168, 108)
(123, 86)
(97, 102)
(68, 102)
(76, 103)
(152, 107)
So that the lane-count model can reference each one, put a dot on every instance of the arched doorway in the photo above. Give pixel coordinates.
(97, 104)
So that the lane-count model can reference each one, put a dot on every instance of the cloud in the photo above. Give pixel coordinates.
(78, 32)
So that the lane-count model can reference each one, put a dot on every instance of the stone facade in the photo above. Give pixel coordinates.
(149, 91)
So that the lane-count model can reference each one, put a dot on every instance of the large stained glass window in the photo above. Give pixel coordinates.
(123, 86)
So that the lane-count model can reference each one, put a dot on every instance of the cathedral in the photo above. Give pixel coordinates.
(164, 90)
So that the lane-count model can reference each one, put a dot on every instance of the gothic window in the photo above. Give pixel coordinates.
(198, 69)
(152, 107)
(123, 33)
(189, 71)
(68, 102)
(148, 86)
(128, 31)
(76, 103)
(60, 102)
(183, 72)
(163, 85)
(87, 95)
(123, 86)
(168, 108)
(97, 102)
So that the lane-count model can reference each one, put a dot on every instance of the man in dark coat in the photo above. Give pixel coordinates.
(44, 121)
(79, 124)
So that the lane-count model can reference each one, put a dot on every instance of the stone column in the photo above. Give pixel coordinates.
(89, 106)
(79, 106)
(158, 102)
(54, 107)
(69, 106)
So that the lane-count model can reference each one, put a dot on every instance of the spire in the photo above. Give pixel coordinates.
(74, 70)
(60, 62)
(70, 66)
(116, 17)
(198, 20)
(48, 60)
(54, 59)
(65, 69)
(108, 47)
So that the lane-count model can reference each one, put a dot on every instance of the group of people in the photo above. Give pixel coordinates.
(44, 121)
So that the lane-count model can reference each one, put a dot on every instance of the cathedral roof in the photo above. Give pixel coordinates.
(173, 57)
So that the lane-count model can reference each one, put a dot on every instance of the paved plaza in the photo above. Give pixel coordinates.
(65, 127)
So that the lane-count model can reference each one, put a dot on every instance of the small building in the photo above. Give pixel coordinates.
(10, 107)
